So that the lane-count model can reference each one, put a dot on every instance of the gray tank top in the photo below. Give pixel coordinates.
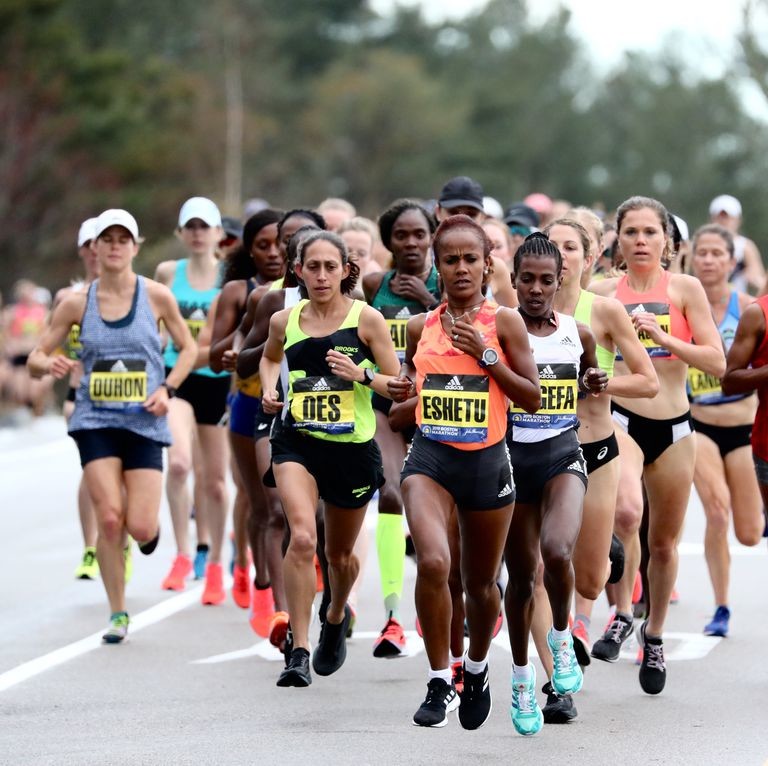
(122, 366)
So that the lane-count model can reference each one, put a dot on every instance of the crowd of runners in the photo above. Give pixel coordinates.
(530, 393)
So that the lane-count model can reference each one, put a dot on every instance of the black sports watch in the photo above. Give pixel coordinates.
(489, 358)
(170, 389)
(369, 375)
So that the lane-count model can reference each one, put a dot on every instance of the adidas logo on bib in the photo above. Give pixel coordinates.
(321, 385)
(118, 366)
(638, 308)
(506, 491)
(454, 384)
(404, 313)
(547, 372)
(198, 314)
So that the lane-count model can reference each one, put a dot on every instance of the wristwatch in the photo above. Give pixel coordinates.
(170, 389)
(369, 375)
(489, 358)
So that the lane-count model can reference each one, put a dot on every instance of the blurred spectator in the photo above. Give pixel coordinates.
(336, 211)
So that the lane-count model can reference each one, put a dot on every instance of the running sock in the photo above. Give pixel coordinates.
(625, 616)
(560, 635)
(521, 672)
(203, 547)
(444, 673)
(583, 617)
(454, 659)
(472, 666)
(390, 546)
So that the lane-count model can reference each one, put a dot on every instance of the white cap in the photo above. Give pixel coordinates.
(86, 231)
(493, 208)
(682, 227)
(202, 208)
(725, 203)
(116, 217)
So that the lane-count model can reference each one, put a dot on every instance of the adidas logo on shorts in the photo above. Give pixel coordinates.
(321, 385)
(454, 384)
(506, 491)
(118, 366)
(547, 372)
(576, 466)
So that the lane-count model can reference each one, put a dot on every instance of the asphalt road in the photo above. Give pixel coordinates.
(194, 685)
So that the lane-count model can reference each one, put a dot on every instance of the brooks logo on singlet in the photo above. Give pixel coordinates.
(321, 385)
(454, 385)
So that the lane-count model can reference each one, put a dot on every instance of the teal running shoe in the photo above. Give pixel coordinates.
(118, 628)
(567, 677)
(526, 714)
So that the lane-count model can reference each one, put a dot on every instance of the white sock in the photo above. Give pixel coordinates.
(560, 635)
(444, 673)
(521, 672)
(455, 659)
(473, 666)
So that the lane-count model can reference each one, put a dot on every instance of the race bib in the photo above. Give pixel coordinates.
(195, 320)
(74, 347)
(663, 320)
(397, 319)
(454, 408)
(559, 393)
(323, 403)
(702, 384)
(118, 383)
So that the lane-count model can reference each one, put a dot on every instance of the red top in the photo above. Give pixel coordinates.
(656, 301)
(760, 359)
(459, 403)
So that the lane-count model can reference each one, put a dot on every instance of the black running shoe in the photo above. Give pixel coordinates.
(559, 708)
(288, 645)
(296, 672)
(331, 649)
(441, 699)
(475, 699)
(616, 556)
(653, 670)
(149, 546)
(608, 647)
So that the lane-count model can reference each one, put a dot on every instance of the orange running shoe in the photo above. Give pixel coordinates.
(180, 570)
(278, 629)
(581, 643)
(499, 623)
(418, 628)
(319, 584)
(457, 673)
(637, 590)
(262, 610)
(674, 596)
(241, 587)
(391, 640)
(213, 593)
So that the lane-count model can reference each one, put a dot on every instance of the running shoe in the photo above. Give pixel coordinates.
(559, 707)
(234, 553)
(616, 556)
(262, 610)
(718, 626)
(410, 548)
(653, 670)
(581, 643)
(213, 593)
(419, 632)
(608, 647)
(499, 623)
(457, 676)
(637, 588)
(391, 640)
(118, 628)
(441, 699)
(241, 587)
(278, 629)
(352, 622)
(526, 714)
(128, 560)
(567, 677)
(674, 597)
(296, 672)
(180, 570)
(88, 568)
(331, 650)
(200, 563)
(476, 704)
(149, 546)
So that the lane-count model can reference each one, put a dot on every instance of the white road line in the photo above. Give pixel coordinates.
(697, 549)
(57, 657)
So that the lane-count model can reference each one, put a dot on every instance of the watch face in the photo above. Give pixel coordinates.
(369, 375)
(490, 356)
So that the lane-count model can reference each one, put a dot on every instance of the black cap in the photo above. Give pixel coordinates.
(461, 191)
(232, 227)
(519, 214)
